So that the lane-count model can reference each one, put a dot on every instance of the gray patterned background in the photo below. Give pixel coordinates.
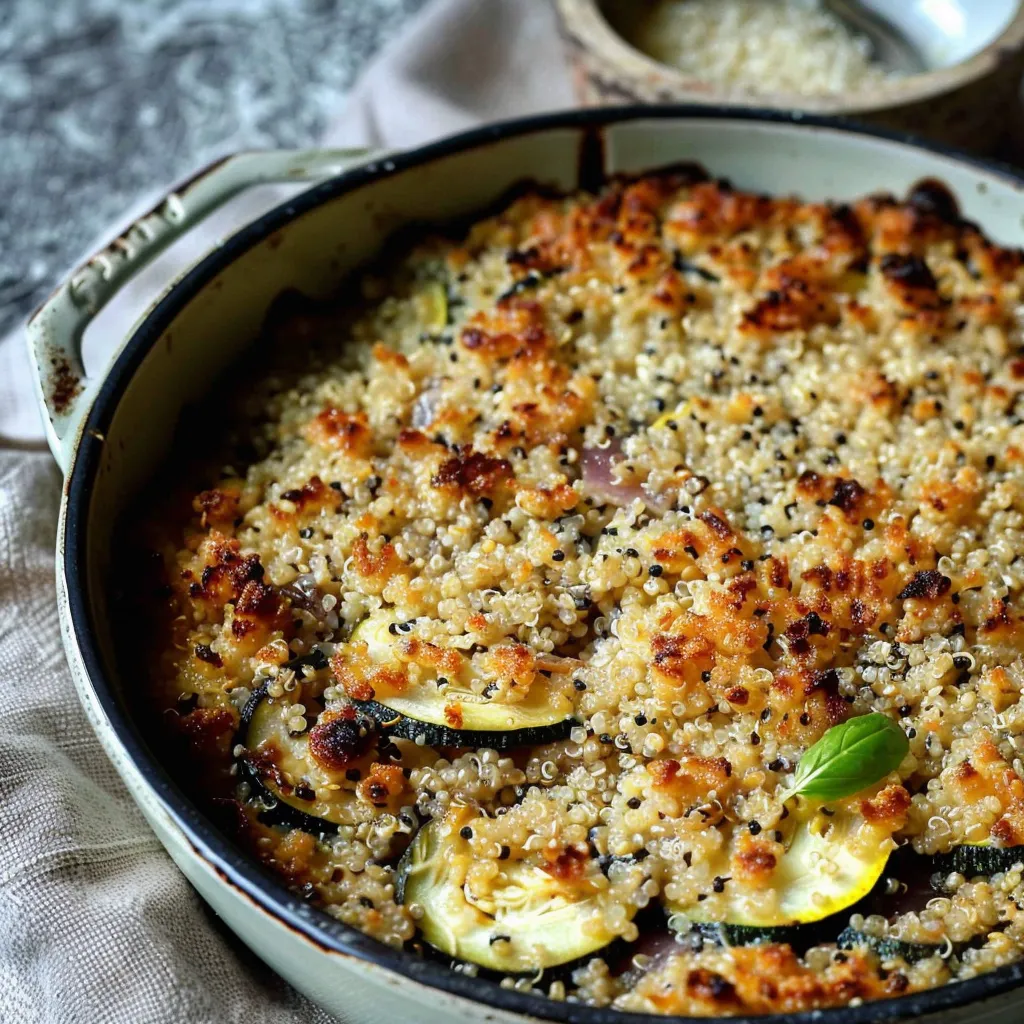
(102, 101)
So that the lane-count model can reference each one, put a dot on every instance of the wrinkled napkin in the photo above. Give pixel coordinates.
(96, 924)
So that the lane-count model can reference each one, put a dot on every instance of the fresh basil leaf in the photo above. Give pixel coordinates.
(850, 757)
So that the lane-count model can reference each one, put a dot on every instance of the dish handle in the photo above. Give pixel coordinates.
(56, 329)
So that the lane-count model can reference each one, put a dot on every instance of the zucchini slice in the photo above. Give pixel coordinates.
(277, 764)
(821, 872)
(723, 934)
(974, 859)
(448, 713)
(523, 921)
(888, 949)
(433, 302)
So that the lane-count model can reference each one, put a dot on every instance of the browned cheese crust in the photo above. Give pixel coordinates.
(714, 471)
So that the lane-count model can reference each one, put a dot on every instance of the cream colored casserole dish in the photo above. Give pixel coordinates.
(110, 435)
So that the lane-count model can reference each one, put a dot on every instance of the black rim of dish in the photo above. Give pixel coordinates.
(236, 867)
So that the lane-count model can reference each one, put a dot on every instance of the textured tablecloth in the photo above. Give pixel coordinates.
(96, 924)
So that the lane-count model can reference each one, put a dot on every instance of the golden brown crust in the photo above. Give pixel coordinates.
(717, 471)
(760, 979)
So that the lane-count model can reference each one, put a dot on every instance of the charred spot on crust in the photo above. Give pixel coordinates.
(226, 578)
(847, 495)
(908, 270)
(528, 258)
(217, 505)
(795, 304)
(808, 483)
(826, 682)
(566, 865)
(308, 492)
(796, 634)
(340, 738)
(384, 782)
(257, 599)
(932, 198)
(929, 584)
(712, 987)
(206, 653)
(474, 473)
(716, 524)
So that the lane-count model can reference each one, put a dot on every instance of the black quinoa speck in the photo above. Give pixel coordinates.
(466, 832)
(655, 570)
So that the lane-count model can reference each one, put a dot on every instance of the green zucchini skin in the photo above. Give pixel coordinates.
(722, 934)
(800, 937)
(278, 811)
(394, 724)
(972, 860)
(887, 949)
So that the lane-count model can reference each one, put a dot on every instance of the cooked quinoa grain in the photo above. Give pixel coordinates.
(522, 583)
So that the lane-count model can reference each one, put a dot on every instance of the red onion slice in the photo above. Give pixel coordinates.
(598, 471)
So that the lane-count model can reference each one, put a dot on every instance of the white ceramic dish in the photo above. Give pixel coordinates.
(948, 32)
(110, 433)
(968, 97)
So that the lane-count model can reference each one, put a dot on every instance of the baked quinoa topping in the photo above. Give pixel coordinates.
(623, 599)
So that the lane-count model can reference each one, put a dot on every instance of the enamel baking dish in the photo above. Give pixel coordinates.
(110, 431)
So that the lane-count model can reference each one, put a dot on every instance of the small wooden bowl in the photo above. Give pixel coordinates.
(973, 104)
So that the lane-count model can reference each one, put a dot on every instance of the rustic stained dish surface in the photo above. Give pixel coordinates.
(621, 598)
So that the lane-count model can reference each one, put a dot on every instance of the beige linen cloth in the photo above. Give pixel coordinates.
(96, 924)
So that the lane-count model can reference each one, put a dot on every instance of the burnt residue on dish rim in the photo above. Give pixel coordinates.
(238, 870)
